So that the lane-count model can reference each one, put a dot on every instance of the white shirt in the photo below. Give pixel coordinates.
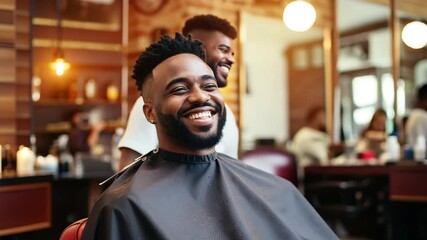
(310, 147)
(141, 136)
(416, 125)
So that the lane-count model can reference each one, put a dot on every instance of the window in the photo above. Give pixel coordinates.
(365, 98)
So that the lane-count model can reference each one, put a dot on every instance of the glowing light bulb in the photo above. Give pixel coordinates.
(60, 66)
(299, 15)
(414, 34)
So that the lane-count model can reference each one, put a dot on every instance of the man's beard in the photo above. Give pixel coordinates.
(222, 81)
(182, 136)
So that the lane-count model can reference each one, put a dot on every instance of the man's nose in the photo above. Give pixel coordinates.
(230, 58)
(198, 95)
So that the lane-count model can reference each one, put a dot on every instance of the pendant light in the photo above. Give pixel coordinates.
(59, 64)
(299, 15)
(414, 34)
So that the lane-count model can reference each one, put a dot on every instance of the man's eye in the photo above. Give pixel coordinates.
(211, 87)
(179, 90)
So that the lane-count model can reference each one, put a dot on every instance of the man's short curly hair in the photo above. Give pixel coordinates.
(159, 51)
(209, 22)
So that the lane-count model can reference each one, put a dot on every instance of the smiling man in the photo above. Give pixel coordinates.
(217, 35)
(188, 107)
(185, 189)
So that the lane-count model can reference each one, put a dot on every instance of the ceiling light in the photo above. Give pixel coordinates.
(299, 15)
(59, 64)
(414, 34)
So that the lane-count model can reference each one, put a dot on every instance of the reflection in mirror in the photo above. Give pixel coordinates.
(364, 63)
(413, 70)
(413, 62)
(265, 111)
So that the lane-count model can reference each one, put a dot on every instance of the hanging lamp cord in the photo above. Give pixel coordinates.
(59, 29)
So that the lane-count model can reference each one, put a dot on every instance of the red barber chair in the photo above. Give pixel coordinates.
(74, 231)
(274, 161)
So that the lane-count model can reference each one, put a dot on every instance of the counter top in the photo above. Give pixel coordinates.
(13, 178)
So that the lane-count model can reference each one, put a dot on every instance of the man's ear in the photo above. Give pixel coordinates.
(149, 113)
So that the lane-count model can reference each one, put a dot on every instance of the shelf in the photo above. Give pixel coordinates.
(7, 80)
(23, 133)
(66, 102)
(108, 129)
(23, 116)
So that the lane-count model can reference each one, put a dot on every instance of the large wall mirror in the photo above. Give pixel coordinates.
(413, 58)
(364, 64)
(265, 101)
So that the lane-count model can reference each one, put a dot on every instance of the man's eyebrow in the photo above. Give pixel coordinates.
(207, 77)
(175, 81)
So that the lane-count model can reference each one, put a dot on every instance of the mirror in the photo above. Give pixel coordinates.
(413, 62)
(364, 64)
(265, 45)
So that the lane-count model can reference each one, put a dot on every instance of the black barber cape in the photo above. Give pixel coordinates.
(177, 196)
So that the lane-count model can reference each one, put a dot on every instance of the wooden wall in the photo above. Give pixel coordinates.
(15, 73)
(92, 45)
(306, 82)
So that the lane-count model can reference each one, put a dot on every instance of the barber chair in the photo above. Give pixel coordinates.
(274, 161)
(74, 231)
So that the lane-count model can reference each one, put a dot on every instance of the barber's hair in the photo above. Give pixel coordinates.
(209, 22)
(377, 113)
(422, 93)
(159, 51)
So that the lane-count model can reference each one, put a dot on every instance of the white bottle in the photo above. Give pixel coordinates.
(25, 159)
(420, 148)
(115, 152)
(393, 148)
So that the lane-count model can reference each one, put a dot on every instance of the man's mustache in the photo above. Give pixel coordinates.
(197, 105)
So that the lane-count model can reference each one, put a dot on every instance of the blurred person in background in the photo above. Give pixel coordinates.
(311, 143)
(416, 125)
(84, 136)
(373, 137)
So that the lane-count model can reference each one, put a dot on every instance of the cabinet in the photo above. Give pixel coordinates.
(33, 193)
(92, 45)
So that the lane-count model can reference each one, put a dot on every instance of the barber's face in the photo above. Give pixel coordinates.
(219, 53)
(186, 104)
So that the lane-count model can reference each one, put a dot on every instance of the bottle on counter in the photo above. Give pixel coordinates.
(115, 152)
(25, 160)
(393, 148)
(8, 162)
(65, 158)
(420, 148)
(90, 88)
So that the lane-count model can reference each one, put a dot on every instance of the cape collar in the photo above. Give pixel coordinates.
(186, 158)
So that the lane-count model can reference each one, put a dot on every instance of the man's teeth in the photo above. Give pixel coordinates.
(206, 114)
(225, 69)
